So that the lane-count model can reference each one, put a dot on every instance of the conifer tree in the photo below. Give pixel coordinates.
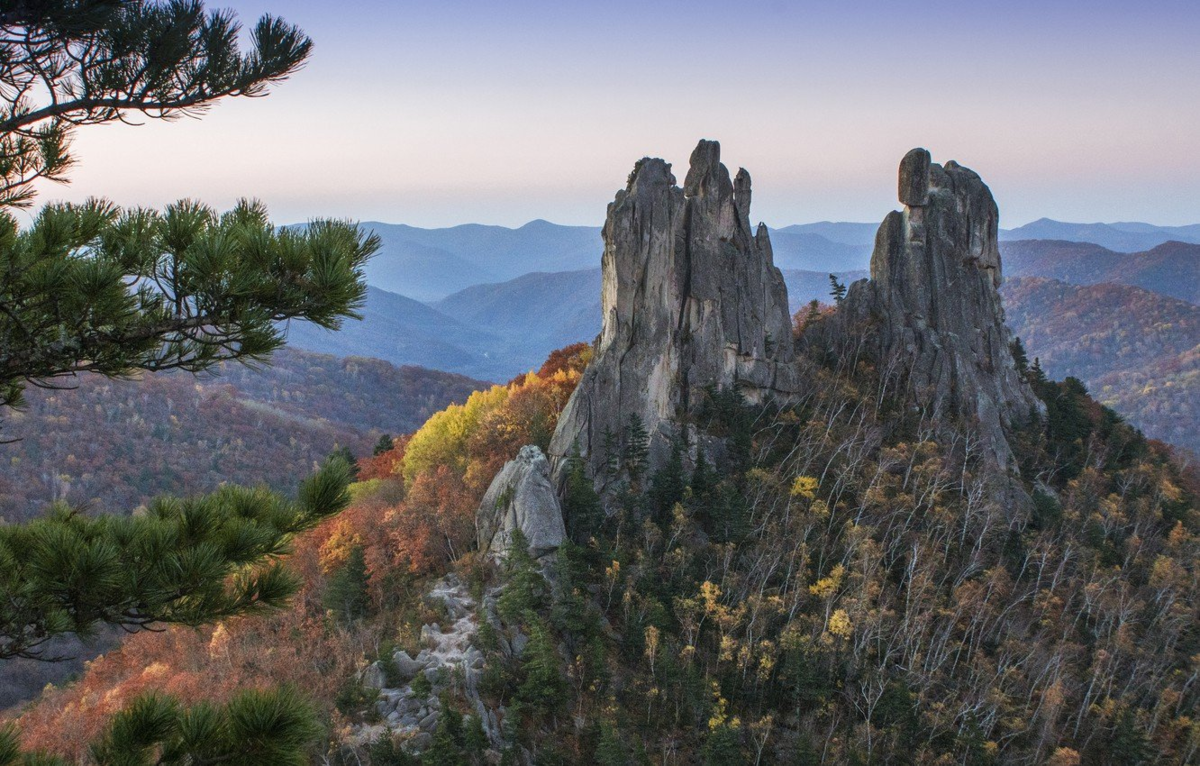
(1037, 376)
(385, 444)
(703, 476)
(545, 686)
(71, 63)
(610, 750)
(92, 288)
(669, 484)
(525, 588)
(812, 315)
(183, 561)
(836, 289)
(612, 452)
(342, 452)
(1020, 358)
(637, 447)
(581, 505)
(346, 591)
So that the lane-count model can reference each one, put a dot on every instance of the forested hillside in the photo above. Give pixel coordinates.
(820, 587)
(827, 550)
(1171, 269)
(1137, 351)
(109, 446)
(363, 573)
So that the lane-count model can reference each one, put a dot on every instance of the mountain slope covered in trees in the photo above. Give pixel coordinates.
(835, 571)
(1171, 269)
(1137, 351)
(109, 446)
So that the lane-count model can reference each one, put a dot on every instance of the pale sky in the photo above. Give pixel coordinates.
(440, 113)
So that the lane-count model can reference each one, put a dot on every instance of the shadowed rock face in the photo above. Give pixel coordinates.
(691, 299)
(933, 298)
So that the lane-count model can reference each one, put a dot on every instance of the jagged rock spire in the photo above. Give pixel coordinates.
(691, 299)
(933, 299)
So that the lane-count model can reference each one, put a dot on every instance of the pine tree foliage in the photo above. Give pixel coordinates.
(346, 592)
(182, 561)
(637, 447)
(837, 290)
(67, 63)
(92, 288)
(89, 288)
(385, 444)
(255, 727)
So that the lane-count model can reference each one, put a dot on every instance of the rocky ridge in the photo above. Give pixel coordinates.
(932, 308)
(691, 299)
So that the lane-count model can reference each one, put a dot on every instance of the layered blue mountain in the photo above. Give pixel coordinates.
(1122, 237)
(490, 302)
(403, 331)
(432, 264)
(1171, 268)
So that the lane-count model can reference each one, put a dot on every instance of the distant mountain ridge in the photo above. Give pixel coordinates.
(495, 328)
(429, 264)
(1130, 237)
(401, 330)
(499, 330)
(432, 264)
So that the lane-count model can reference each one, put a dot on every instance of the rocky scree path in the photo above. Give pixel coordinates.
(448, 658)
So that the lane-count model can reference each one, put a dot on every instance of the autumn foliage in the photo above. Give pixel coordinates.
(413, 512)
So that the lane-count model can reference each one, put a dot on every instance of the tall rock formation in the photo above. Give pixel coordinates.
(932, 299)
(691, 299)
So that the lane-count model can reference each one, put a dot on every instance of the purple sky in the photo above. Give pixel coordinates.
(438, 113)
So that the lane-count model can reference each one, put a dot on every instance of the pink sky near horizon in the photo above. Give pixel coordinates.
(439, 114)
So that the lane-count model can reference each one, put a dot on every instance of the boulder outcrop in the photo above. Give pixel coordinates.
(521, 497)
(933, 304)
(691, 299)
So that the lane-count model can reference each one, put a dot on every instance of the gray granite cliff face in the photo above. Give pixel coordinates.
(691, 299)
(932, 299)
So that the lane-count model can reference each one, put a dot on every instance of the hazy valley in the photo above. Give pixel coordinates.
(496, 330)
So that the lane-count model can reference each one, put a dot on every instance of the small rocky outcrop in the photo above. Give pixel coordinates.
(933, 304)
(691, 299)
(521, 497)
